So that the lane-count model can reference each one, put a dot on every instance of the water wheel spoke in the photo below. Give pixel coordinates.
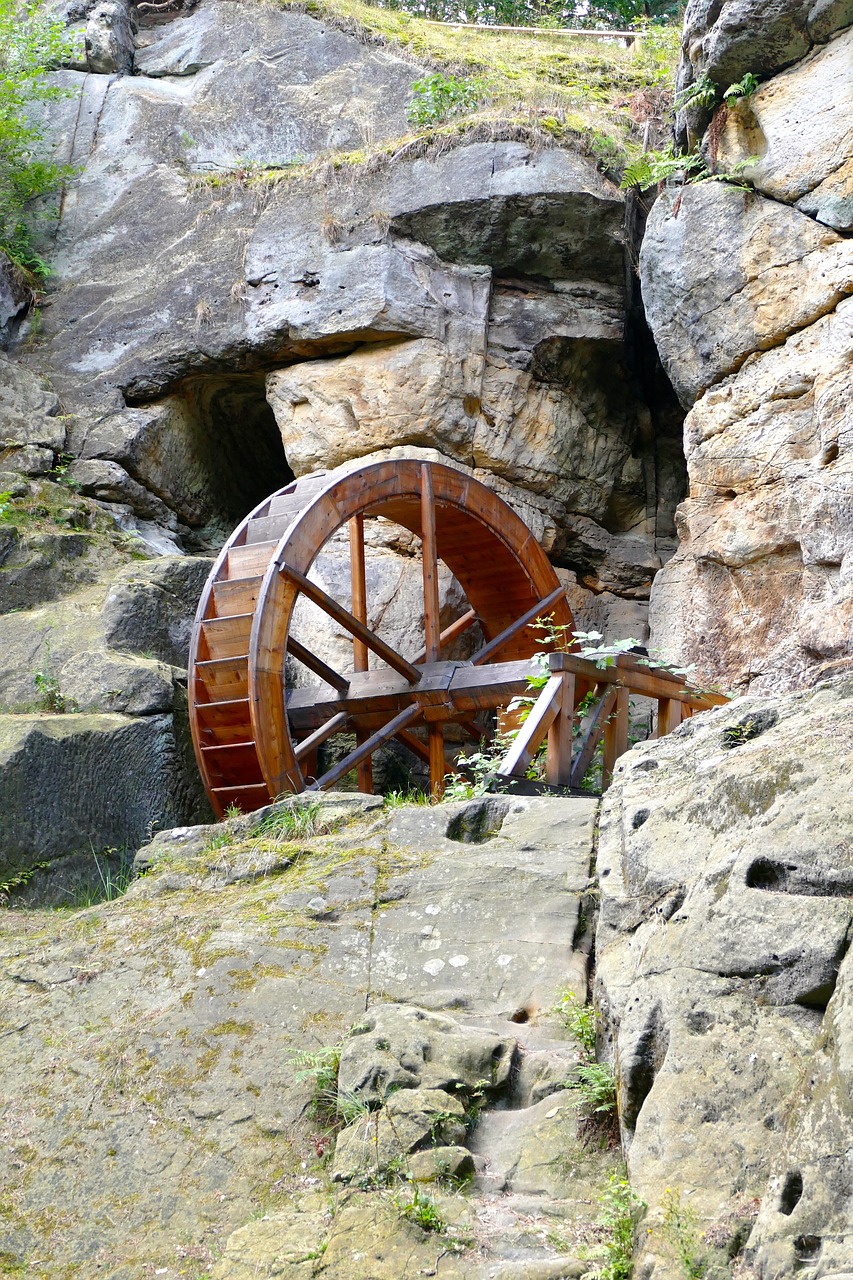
(488, 651)
(345, 619)
(401, 721)
(315, 664)
(336, 724)
(451, 632)
(360, 651)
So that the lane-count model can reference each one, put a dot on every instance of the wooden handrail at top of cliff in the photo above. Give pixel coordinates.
(572, 678)
(630, 37)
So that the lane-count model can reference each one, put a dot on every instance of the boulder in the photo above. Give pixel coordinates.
(150, 607)
(409, 1120)
(800, 125)
(14, 298)
(405, 1047)
(708, 312)
(29, 417)
(110, 31)
(716, 974)
(73, 782)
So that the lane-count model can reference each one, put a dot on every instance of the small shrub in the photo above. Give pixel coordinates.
(50, 698)
(438, 97)
(680, 1230)
(423, 1210)
(619, 1210)
(595, 1084)
(579, 1021)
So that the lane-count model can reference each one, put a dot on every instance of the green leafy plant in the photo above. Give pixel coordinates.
(595, 1085)
(578, 1019)
(438, 97)
(114, 869)
(320, 1068)
(680, 1230)
(653, 167)
(5, 503)
(743, 88)
(50, 698)
(294, 821)
(422, 1210)
(31, 44)
(701, 93)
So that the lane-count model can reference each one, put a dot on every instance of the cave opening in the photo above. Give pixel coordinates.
(226, 447)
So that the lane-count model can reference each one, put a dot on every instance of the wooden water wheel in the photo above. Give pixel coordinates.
(254, 738)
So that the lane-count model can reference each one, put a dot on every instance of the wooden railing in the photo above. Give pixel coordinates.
(553, 714)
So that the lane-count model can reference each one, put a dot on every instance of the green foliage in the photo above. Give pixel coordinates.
(479, 770)
(701, 93)
(30, 45)
(50, 698)
(744, 88)
(595, 1085)
(579, 1021)
(18, 880)
(652, 167)
(398, 799)
(422, 1210)
(680, 1230)
(320, 1068)
(114, 868)
(438, 97)
(619, 1210)
(617, 14)
(5, 500)
(295, 821)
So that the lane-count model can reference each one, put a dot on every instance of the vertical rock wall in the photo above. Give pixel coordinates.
(748, 294)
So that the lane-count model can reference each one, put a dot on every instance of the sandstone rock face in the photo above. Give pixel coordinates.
(813, 100)
(723, 976)
(710, 309)
(760, 587)
(748, 295)
(724, 41)
(13, 298)
(472, 301)
(110, 33)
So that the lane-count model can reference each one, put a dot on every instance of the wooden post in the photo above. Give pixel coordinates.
(360, 652)
(558, 762)
(615, 736)
(669, 715)
(432, 624)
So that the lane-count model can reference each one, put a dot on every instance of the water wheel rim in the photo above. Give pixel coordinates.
(391, 488)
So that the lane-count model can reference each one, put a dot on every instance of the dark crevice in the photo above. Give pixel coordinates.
(791, 1193)
(810, 881)
(641, 1068)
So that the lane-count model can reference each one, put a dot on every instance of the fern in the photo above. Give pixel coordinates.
(656, 166)
(702, 93)
(744, 88)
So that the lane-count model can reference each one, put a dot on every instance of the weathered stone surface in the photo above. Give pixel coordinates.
(404, 1047)
(111, 483)
(707, 311)
(168, 1022)
(409, 1120)
(13, 298)
(110, 31)
(99, 681)
(715, 968)
(441, 1163)
(29, 415)
(800, 125)
(71, 782)
(762, 36)
(760, 589)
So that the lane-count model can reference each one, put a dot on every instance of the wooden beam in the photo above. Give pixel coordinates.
(432, 623)
(390, 730)
(591, 731)
(315, 664)
(457, 628)
(489, 650)
(640, 679)
(413, 744)
(351, 624)
(558, 761)
(530, 735)
(615, 736)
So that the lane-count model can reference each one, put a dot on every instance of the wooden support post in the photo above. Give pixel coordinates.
(360, 652)
(432, 624)
(558, 762)
(615, 736)
(669, 716)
